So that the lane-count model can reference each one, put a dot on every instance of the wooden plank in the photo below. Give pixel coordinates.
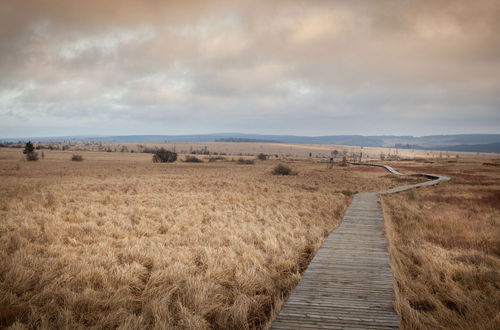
(348, 284)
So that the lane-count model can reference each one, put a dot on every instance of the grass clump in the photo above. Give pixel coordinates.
(281, 169)
(348, 193)
(243, 161)
(193, 159)
(214, 159)
(77, 158)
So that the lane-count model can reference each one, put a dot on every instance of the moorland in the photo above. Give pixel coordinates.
(116, 240)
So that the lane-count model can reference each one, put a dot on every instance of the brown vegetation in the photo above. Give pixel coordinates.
(243, 161)
(77, 158)
(193, 159)
(119, 241)
(281, 169)
(445, 248)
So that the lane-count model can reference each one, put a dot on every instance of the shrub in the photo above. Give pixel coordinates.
(214, 159)
(242, 161)
(281, 169)
(29, 151)
(262, 156)
(164, 156)
(77, 158)
(32, 156)
(348, 193)
(193, 159)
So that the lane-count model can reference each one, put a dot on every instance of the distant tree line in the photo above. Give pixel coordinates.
(229, 139)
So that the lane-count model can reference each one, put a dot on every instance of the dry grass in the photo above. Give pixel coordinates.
(445, 248)
(275, 150)
(118, 241)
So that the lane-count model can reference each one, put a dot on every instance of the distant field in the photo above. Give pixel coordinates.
(445, 247)
(116, 240)
(277, 150)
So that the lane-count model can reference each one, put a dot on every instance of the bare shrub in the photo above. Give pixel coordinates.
(214, 159)
(262, 156)
(164, 156)
(243, 161)
(281, 169)
(193, 159)
(77, 158)
(32, 156)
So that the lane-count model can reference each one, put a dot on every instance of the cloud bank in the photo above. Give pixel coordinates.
(295, 67)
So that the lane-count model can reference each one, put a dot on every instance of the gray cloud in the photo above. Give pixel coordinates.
(300, 67)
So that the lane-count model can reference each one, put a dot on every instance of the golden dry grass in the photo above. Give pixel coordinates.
(117, 241)
(445, 248)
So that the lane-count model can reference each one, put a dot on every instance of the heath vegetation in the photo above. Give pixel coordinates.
(281, 169)
(119, 241)
(445, 248)
(77, 158)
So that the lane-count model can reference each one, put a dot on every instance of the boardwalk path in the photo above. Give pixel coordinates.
(348, 284)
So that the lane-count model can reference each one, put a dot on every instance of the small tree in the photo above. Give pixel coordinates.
(164, 156)
(29, 151)
(28, 148)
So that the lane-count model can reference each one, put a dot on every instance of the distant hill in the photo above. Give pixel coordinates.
(232, 139)
(487, 147)
(457, 142)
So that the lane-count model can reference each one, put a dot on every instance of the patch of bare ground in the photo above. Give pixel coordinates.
(445, 248)
(119, 241)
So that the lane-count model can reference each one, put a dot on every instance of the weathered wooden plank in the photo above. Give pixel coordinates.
(348, 284)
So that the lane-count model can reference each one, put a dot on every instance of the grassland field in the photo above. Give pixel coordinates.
(274, 150)
(119, 241)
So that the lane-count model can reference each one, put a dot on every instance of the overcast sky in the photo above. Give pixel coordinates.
(73, 67)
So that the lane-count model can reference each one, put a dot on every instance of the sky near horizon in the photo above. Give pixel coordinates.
(122, 67)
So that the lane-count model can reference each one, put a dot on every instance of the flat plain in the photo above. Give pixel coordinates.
(118, 241)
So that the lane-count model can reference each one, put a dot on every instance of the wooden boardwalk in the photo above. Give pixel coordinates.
(348, 284)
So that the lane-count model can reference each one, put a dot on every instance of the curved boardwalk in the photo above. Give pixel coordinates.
(348, 284)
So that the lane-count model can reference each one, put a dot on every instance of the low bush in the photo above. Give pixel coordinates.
(262, 156)
(193, 159)
(164, 156)
(77, 158)
(214, 159)
(243, 161)
(281, 169)
(32, 156)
